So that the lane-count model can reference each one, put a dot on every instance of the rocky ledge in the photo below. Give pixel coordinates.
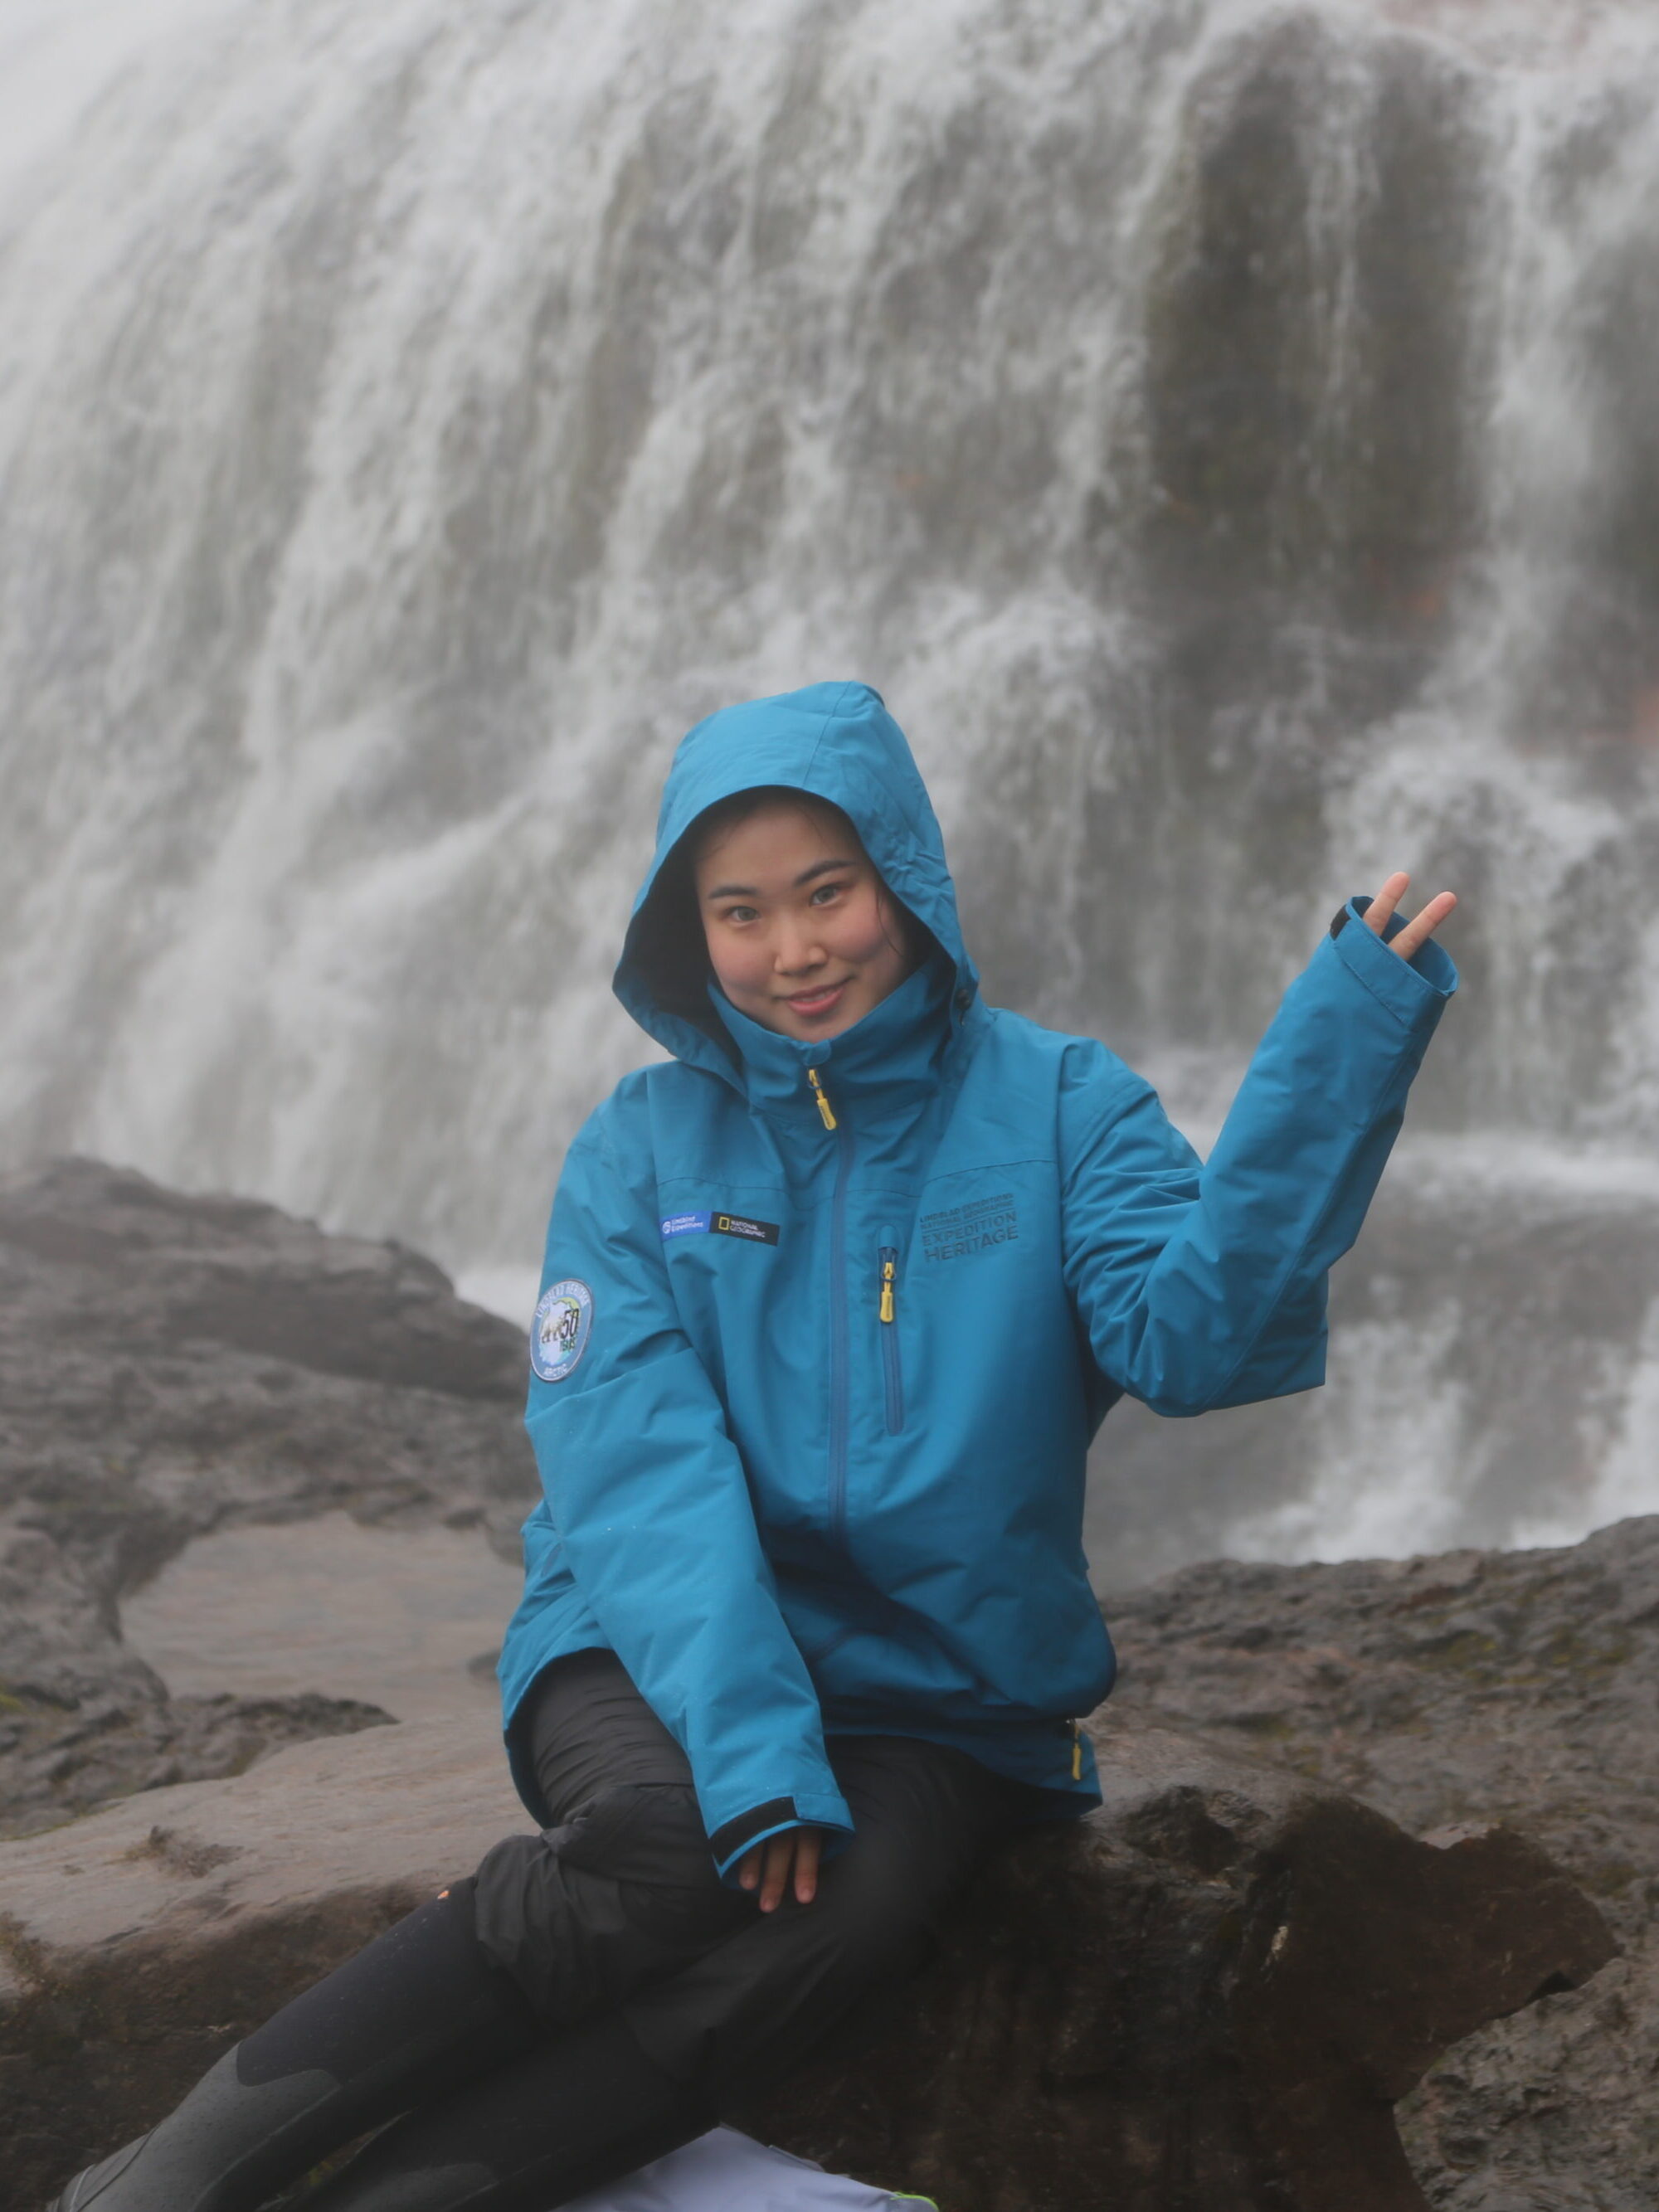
(1372, 1830)
(1210, 1994)
(171, 1366)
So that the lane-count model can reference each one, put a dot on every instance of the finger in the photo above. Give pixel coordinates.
(1416, 933)
(806, 1865)
(1380, 912)
(748, 1872)
(778, 1854)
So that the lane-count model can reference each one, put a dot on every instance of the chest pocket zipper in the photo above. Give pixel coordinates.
(892, 1374)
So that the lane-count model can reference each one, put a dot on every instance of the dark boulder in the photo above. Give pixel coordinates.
(1521, 1686)
(1212, 1997)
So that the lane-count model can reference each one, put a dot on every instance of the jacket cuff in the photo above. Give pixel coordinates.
(733, 1840)
(1413, 991)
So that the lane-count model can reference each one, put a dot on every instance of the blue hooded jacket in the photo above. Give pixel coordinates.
(811, 1404)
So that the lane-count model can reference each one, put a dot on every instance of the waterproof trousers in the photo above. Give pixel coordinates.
(664, 1993)
(591, 1998)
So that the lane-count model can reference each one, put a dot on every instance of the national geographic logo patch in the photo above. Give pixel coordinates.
(962, 1232)
(739, 1225)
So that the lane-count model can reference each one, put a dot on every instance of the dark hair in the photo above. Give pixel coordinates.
(724, 816)
(670, 944)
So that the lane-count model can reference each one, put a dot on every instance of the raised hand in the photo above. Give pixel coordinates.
(1417, 932)
(767, 1867)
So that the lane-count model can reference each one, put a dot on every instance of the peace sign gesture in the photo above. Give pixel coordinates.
(1416, 933)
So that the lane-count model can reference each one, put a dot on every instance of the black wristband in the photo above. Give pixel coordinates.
(1343, 914)
(728, 1841)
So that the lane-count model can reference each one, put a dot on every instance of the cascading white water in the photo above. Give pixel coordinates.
(1222, 428)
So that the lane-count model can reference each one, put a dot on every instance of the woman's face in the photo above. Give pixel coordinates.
(803, 935)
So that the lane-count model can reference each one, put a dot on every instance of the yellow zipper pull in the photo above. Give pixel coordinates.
(824, 1114)
(1077, 1751)
(887, 1290)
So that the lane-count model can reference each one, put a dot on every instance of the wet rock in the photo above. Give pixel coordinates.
(1520, 1686)
(1210, 1993)
(389, 1617)
(171, 1365)
(137, 1945)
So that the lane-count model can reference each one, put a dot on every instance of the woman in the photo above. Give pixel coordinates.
(834, 1300)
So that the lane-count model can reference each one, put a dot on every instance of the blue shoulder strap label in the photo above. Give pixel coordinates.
(684, 1225)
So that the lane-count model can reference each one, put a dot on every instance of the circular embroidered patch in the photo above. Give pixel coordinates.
(559, 1335)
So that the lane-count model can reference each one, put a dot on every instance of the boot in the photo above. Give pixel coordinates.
(417, 2012)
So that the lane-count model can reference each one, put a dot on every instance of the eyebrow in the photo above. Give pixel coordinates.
(806, 875)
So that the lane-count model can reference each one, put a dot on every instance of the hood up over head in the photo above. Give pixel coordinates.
(836, 741)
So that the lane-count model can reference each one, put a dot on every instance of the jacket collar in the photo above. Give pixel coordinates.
(888, 1063)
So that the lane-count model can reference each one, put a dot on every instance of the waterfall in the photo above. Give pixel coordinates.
(1223, 429)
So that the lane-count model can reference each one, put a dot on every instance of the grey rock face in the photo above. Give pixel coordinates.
(1519, 1686)
(169, 1365)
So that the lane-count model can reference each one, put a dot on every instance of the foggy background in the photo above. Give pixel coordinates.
(1223, 429)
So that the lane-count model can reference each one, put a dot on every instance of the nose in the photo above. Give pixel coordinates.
(796, 948)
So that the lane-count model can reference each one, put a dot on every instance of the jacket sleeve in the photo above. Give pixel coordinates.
(1202, 1286)
(648, 1494)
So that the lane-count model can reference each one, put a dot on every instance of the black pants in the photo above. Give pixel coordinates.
(592, 1997)
(618, 1907)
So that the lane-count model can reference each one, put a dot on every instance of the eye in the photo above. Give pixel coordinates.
(740, 913)
(826, 892)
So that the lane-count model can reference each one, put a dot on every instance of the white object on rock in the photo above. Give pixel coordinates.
(726, 2171)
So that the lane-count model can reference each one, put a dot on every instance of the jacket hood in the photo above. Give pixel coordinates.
(838, 742)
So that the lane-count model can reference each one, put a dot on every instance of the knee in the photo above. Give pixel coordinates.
(650, 1833)
(628, 1886)
(643, 1837)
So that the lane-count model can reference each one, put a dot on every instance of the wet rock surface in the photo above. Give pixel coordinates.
(137, 1945)
(408, 1618)
(1209, 1997)
(173, 1365)
(1520, 1686)
(1210, 1992)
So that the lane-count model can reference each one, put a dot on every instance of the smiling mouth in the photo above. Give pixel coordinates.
(818, 1001)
